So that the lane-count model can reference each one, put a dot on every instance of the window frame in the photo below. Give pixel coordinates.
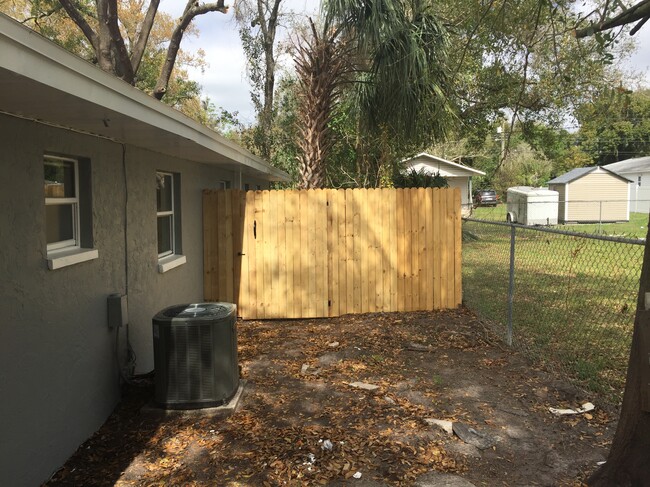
(167, 213)
(75, 242)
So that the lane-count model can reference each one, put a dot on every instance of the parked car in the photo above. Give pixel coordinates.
(485, 197)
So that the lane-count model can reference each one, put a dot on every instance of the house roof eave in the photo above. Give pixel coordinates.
(44, 82)
(440, 160)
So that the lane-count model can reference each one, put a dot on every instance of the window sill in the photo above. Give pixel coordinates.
(65, 258)
(168, 263)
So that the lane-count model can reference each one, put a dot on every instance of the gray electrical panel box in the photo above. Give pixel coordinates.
(117, 310)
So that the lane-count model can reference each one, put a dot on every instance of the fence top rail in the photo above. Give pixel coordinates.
(633, 241)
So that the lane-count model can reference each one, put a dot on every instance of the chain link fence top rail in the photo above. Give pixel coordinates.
(573, 296)
(619, 217)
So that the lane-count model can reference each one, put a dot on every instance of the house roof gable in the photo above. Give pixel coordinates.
(43, 82)
(437, 162)
(580, 172)
(638, 164)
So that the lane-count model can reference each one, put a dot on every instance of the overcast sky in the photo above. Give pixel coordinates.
(224, 81)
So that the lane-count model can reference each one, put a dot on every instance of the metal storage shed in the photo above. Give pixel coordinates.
(592, 194)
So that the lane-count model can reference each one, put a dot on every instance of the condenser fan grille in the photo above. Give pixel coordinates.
(195, 354)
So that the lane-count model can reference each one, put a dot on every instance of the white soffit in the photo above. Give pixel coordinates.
(40, 80)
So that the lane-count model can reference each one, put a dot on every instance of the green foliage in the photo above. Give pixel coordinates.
(572, 158)
(551, 140)
(401, 93)
(284, 151)
(253, 48)
(180, 89)
(615, 125)
(521, 57)
(220, 120)
(523, 166)
(420, 179)
(342, 159)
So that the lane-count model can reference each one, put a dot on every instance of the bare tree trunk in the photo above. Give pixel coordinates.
(628, 463)
(121, 61)
(259, 47)
(269, 28)
(79, 20)
(110, 48)
(192, 9)
(104, 49)
(142, 36)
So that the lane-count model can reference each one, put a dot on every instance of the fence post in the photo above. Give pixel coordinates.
(511, 285)
(600, 218)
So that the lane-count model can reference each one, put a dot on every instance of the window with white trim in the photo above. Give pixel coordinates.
(61, 203)
(68, 211)
(168, 215)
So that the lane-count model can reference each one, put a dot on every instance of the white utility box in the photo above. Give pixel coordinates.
(532, 206)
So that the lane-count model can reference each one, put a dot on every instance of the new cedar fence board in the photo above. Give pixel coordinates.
(321, 253)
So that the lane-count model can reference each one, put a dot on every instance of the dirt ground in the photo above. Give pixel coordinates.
(300, 422)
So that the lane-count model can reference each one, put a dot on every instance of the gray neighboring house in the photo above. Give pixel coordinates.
(458, 176)
(102, 194)
(638, 170)
(592, 194)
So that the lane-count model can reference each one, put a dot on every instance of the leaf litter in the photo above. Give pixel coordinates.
(300, 422)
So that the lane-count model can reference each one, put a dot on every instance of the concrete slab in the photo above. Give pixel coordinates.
(436, 479)
(224, 410)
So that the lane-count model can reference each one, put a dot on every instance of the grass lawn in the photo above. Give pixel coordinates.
(574, 298)
(637, 227)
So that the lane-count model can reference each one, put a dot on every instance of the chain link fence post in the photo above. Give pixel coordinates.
(575, 295)
(511, 284)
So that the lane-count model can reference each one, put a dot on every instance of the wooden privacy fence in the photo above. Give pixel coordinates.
(320, 253)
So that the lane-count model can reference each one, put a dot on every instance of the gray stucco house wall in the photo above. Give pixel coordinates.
(59, 360)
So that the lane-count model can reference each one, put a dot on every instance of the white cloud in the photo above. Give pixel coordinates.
(224, 80)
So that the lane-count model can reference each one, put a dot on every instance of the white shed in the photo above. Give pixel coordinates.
(457, 175)
(592, 194)
(532, 206)
(637, 170)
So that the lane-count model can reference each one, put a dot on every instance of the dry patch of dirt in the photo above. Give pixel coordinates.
(301, 422)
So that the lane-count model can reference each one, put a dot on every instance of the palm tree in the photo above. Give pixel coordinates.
(324, 62)
(392, 55)
(401, 84)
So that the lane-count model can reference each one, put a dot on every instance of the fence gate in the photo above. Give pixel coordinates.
(320, 253)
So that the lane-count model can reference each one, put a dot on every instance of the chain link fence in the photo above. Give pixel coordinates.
(620, 217)
(567, 299)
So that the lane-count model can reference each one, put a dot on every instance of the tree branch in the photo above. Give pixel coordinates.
(192, 9)
(78, 19)
(142, 36)
(638, 12)
(470, 38)
(41, 15)
(104, 49)
(123, 66)
(522, 91)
